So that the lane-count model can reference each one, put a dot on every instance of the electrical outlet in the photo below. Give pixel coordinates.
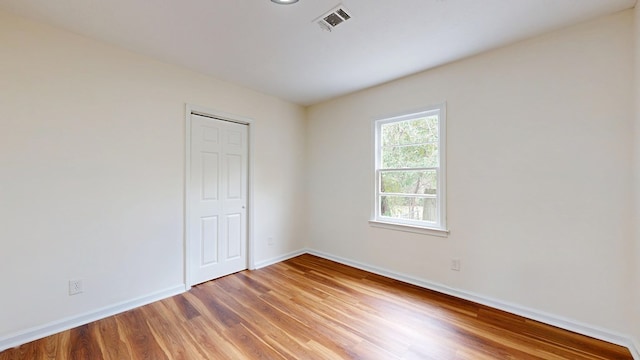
(455, 264)
(75, 287)
(270, 241)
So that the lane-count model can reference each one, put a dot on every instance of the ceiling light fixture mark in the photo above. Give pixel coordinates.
(284, 2)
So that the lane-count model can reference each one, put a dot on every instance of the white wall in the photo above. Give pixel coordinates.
(540, 144)
(636, 183)
(539, 174)
(92, 172)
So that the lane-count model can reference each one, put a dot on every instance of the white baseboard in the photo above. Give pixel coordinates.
(277, 259)
(39, 332)
(634, 347)
(55, 327)
(550, 319)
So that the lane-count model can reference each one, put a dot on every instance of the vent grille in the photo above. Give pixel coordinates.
(333, 18)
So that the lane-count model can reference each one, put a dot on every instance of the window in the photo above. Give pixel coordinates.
(410, 171)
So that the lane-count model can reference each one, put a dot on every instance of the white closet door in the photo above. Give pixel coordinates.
(217, 198)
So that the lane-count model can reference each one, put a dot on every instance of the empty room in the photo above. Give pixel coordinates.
(315, 179)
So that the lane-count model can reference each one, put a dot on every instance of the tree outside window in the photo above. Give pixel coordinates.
(409, 169)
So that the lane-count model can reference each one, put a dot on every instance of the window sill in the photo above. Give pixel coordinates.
(410, 228)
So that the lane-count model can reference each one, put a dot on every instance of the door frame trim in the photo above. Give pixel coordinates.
(224, 116)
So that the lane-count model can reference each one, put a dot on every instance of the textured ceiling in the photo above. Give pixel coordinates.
(279, 50)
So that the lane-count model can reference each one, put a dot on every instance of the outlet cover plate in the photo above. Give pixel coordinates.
(455, 264)
(75, 287)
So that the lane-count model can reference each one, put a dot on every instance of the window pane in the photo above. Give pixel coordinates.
(415, 131)
(409, 182)
(408, 208)
(410, 156)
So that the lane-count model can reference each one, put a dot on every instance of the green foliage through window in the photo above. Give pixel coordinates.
(407, 166)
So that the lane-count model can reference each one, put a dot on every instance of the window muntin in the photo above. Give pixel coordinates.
(410, 169)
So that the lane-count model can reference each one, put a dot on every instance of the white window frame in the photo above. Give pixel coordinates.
(439, 227)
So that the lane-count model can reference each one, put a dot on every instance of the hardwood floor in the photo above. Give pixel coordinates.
(311, 308)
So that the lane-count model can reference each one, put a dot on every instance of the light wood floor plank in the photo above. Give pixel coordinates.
(313, 308)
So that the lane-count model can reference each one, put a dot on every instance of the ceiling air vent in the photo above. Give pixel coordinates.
(333, 18)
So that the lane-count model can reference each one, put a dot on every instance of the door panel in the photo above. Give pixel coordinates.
(217, 198)
(234, 164)
(234, 236)
(209, 176)
(209, 240)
